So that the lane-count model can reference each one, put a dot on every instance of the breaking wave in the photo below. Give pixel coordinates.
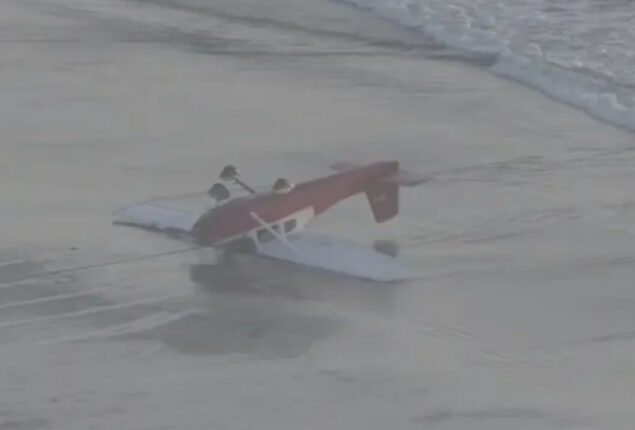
(559, 50)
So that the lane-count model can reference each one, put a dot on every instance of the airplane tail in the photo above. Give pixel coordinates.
(383, 198)
(383, 194)
(401, 177)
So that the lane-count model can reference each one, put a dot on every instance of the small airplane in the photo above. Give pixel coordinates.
(270, 223)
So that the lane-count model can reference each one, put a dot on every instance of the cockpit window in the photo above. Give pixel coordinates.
(264, 234)
(290, 225)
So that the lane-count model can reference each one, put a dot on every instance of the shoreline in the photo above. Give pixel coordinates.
(580, 90)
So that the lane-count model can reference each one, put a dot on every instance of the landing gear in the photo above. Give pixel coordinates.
(282, 186)
(218, 192)
(230, 173)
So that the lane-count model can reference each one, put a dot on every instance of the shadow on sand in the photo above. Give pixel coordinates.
(263, 309)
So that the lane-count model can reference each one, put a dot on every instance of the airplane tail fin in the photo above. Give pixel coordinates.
(383, 199)
(383, 193)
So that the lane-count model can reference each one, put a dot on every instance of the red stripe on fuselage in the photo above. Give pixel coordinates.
(234, 219)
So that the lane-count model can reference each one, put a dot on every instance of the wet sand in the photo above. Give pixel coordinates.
(523, 241)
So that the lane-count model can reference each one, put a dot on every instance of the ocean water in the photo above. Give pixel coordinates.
(581, 52)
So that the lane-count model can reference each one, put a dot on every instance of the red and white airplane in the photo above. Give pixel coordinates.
(269, 223)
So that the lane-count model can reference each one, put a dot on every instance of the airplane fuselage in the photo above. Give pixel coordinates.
(286, 212)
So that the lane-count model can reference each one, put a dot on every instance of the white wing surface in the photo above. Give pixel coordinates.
(166, 215)
(336, 255)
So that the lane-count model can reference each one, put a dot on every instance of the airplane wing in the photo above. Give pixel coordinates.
(171, 216)
(336, 255)
(177, 217)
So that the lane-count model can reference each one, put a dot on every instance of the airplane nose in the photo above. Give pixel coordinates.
(200, 231)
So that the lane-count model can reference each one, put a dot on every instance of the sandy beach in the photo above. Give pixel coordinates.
(522, 241)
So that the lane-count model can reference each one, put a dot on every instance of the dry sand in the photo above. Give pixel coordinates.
(523, 315)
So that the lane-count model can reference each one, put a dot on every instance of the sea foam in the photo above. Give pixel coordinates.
(473, 30)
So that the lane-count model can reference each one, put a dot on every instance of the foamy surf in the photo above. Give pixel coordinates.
(597, 81)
